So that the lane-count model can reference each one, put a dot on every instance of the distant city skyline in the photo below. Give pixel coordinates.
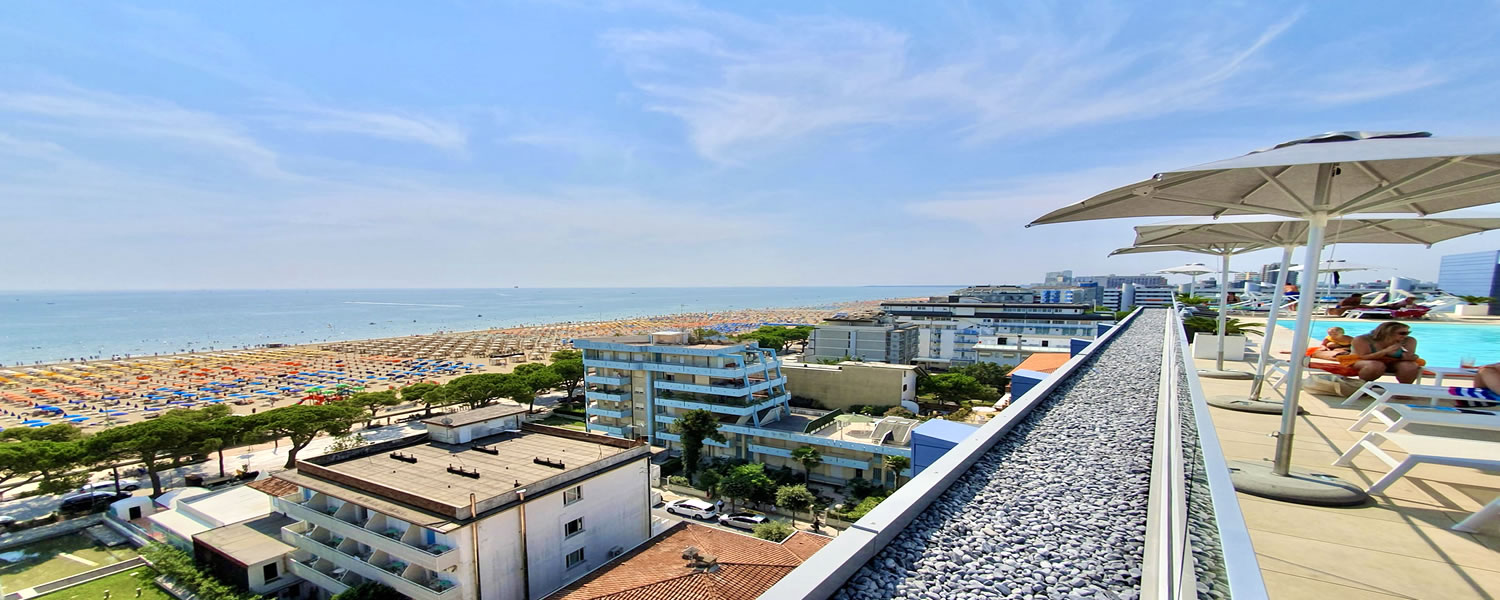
(662, 143)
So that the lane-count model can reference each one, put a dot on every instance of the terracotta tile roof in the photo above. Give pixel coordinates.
(273, 486)
(656, 570)
(1044, 362)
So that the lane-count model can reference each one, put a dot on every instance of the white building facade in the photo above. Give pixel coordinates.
(954, 334)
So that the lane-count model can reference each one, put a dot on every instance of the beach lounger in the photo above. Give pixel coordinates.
(1383, 392)
(1473, 522)
(1433, 450)
(1443, 416)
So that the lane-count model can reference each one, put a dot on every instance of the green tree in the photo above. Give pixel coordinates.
(809, 458)
(374, 401)
(773, 531)
(568, 364)
(415, 391)
(709, 480)
(692, 428)
(58, 432)
(154, 443)
(795, 498)
(474, 390)
(301, 423)
(703, 334)
(221, 434)
(953, 388)
(1476, 299)
(898, 465)
(748, 483)
(47, 460)
(369, 590)
(776, 338)
(536, 379)
(990, 374)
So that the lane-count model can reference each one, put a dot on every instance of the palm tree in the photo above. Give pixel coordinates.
(809, 458)
(897, 464)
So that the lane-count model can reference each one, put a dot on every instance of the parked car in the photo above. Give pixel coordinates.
(126, 485)
(89, 500)
(7, 522)
(742, 520)
(691, 507)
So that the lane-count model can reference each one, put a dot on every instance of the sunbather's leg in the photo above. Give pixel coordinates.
(1370, 370)
(1489, 377)
(1407, 371)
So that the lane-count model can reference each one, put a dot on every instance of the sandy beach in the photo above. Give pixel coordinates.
(102, 393)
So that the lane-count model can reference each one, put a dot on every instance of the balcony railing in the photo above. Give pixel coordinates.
(341, 554)
(435, 556)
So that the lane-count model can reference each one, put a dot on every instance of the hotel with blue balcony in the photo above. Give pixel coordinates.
(637, 386)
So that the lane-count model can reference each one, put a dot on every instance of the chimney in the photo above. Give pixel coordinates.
(699, 561)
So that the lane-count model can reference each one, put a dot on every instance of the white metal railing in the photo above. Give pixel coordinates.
(1188, 464)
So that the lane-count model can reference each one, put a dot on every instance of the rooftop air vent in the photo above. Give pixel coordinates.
(470, 473)
(487, 450)
(547, 462)
(408, 458)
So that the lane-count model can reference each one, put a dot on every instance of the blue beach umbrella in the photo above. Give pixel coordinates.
(76, 419)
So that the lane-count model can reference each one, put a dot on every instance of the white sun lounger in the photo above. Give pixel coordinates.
(1382, 392)
(1405, 414)
(1422, 449)
(1473, 522)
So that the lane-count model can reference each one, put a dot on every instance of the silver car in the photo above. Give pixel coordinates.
(126, 485)
(742, 520)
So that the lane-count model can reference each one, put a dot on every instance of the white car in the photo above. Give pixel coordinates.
(690, 507)
(127, 485)
(742, 520)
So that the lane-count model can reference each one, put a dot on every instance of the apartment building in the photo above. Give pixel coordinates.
(480, 508)
(638, 385)
(1089, 294)
(848, 384)
(868, 336)
(1115, 281)
(1129, 295)
(1010, 294)
(957, 333)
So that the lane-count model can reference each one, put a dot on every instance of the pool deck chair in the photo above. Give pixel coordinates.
(1473, 522)
(1422, 449)
(1383, 392)
(1442, 416)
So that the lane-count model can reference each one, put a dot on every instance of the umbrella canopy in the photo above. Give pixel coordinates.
(1339, 266)
(1282, 232)
(1316, 179)
(1193, 269)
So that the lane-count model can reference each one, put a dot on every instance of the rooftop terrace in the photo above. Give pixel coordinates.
(439, 477)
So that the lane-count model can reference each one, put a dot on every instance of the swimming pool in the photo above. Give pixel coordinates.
(1441, 344)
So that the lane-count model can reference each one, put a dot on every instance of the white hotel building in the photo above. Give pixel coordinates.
(963, 331)
(482, 507)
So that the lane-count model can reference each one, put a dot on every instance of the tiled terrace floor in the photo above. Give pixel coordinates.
(1396, 546)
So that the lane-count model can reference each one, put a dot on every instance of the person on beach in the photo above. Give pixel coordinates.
(1388, 349)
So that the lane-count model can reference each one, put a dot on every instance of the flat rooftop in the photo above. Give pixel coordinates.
(249, 542)
(427, 474)
(859, 429)
(645, 340)
(478, 415)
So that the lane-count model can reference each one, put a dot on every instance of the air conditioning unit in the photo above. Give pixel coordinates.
(616, 551)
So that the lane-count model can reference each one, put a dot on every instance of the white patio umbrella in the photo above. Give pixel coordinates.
(1223, 250)
(1192, 270)
(1288, 234)
(1315, 179)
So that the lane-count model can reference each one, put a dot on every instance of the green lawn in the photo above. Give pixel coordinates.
(556, 421)
(53, 559)
(121, 586)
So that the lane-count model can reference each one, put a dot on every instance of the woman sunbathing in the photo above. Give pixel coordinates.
(1388, 349)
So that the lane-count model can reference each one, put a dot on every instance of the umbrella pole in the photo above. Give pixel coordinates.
(1218, 371)
(1275, 312)
(1314, 250)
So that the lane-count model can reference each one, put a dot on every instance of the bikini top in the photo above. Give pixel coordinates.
(1333, 344)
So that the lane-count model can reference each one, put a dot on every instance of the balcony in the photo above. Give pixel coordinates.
(397, 539)
(352, 556)
(607, 396)
(623, 413)
(319, 571)
(594, 426)
(759, 384)
(606, 380)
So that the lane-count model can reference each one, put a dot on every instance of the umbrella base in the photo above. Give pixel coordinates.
(1225, 374)
(1243, 404)
(1299, 486)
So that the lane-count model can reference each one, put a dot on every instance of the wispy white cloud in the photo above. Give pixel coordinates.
(740, 85)
(395, 126)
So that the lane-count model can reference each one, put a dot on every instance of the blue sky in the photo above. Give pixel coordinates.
(476, 144)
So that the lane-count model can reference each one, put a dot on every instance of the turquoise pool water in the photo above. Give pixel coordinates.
(1441, 344)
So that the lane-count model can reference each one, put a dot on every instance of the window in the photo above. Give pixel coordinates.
(573, 527)
(268, 572)
(575, 558)
(572, 495)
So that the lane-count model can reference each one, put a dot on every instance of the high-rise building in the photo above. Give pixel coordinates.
(1472, 274)
(637, 386)
(1012, 294)
(1058, 278)
(871, 336)
(953, 334)
(1269, 273)
(1115, 281)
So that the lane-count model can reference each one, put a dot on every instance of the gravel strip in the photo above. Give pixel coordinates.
(1056, 509)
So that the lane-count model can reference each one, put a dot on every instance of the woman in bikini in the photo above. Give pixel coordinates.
(1335, 345)
(1388, 349)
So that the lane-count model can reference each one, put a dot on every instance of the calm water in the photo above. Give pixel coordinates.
(1440, 344)
(45, 326)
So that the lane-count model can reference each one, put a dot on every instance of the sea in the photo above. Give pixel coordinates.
(55, 326)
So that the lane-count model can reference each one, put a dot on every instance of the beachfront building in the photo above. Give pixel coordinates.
(1129, 295)
(865, 336)
(1115, 281)
(849, 384)
(1069, 294)
(511, 513)
(638, 385)
(960, 332)
(1008, 294)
